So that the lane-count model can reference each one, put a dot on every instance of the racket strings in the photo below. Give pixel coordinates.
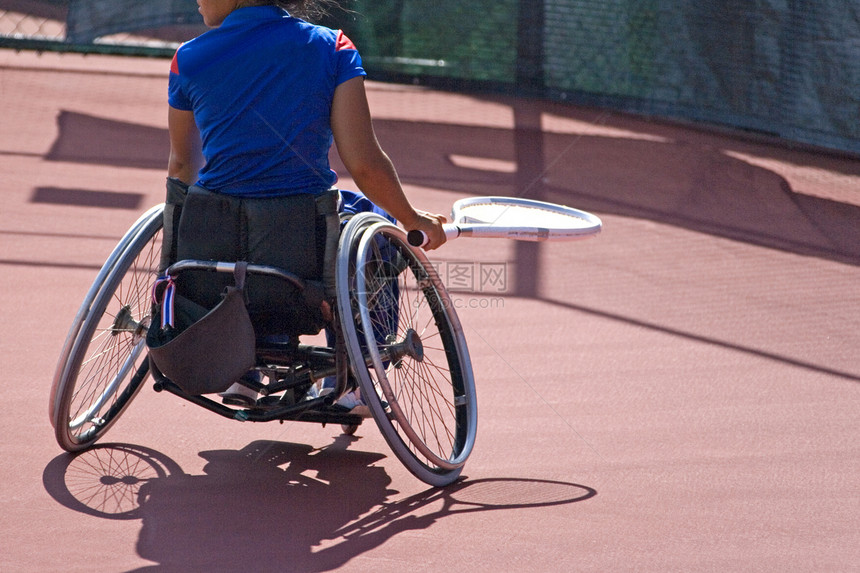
(501, 214)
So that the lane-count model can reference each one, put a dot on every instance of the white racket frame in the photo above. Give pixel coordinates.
(463, 225)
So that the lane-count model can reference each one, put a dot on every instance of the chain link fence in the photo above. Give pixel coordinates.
(151, 28)
(788, 68)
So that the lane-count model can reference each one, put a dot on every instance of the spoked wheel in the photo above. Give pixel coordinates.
(104, 361)
(407, 349)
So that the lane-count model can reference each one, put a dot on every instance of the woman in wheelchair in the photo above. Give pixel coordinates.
(255, 104)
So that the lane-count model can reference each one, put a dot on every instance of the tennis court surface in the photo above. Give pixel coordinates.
(680, 393)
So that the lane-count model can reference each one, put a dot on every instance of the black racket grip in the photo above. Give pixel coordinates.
(416, 238)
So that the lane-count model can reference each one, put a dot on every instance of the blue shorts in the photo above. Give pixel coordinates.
(354, 202)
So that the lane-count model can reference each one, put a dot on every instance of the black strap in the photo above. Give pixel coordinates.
(174, 199)
(240, 271)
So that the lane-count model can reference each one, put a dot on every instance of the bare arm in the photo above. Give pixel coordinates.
(369, 165)
(185, 158)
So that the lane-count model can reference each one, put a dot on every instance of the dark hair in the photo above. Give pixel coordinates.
(304, 8)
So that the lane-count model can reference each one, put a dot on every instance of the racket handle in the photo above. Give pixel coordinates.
(418, 238)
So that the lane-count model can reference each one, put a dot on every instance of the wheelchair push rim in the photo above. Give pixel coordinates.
(407, 349)
(104, 362)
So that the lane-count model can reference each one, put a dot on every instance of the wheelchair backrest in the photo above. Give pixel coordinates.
(292, 233)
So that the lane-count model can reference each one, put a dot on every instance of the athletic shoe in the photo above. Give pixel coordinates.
(240, 395)
(352, 402)
(321, 388)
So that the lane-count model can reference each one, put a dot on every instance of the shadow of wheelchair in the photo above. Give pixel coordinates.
(105, 481)
(271, 504)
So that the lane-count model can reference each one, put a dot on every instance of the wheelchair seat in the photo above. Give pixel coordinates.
(296, 233)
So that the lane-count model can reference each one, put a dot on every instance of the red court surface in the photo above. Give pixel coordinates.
(681, 393)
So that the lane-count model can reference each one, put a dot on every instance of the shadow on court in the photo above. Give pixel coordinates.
(696, 187)
(271, 504)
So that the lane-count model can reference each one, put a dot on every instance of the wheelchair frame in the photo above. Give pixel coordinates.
(396, 337)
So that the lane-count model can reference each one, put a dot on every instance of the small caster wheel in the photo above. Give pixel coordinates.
(349, 429)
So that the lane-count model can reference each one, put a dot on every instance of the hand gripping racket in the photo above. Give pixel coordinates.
(513, 218)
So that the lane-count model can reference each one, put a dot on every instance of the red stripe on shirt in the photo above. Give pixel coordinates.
(343, 43)
(174, 65)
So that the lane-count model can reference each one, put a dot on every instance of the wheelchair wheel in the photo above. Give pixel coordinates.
(104, 361)
(407, 349)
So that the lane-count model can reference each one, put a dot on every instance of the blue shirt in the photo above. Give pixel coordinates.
(261, 87)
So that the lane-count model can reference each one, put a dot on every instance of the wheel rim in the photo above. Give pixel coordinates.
(111, 352)
(416, 366)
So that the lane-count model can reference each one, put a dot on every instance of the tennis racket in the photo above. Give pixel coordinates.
(513, 218)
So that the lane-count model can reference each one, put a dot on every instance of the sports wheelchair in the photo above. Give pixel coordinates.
(412, 366)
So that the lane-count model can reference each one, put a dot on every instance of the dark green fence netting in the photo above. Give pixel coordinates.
(789, 68)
